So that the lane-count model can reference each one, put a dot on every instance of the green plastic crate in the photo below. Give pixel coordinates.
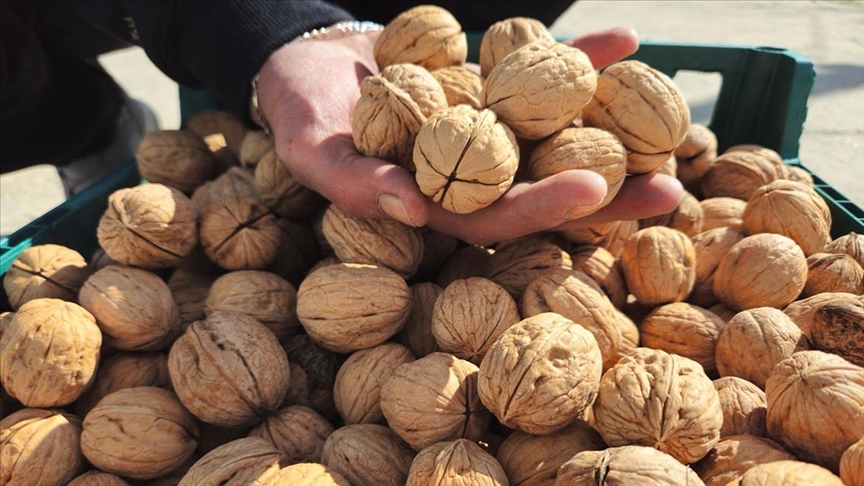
(762, 100)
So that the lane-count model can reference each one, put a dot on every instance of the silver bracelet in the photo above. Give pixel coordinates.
(335, 31)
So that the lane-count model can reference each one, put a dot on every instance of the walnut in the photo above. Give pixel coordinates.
(267, 297)
(787, 473)
(656, 118)
(341, 316)
(722, 211)
(297, 252)
(603, 268)
(839, 329)
(816, 406)
(669, 167)
(790, 209)
(803, 312)
(149, 226)
(229, 369)
(469, 315)
(574, 296)
(189, 291)
(175, 158)
(417, 334)
(133, 307)
(519, 90)
(739, 173)
(383, 242)
(466, 262)
(755, 149)
(393, 105)
(461, 85)
(239, 234)
(773, 266)
(48, 353)
(45, 271)
(357, 391)
(237, 182)
(659, 265)
(710, 247)
(100, 260)
(40, 447)
(850, 244)
(581, 148)
(695, 155)
(541, 374)
(734, 455)
(298, 432)
(313, 375)
(833, 272)
(506, 36)
(125, 370)
(661, 400)
(515, 265)
(611, 236)
(852, 464)
(368, 455)
(686, 330)
(460, 462)
(722, 311)
(98, 478)
(426, 35)
(307, 474)
(281, 192)
(533, 460)
(209, 122)
(628, 331)
(465, 159)
(245, 461)
(800, 174)
(687, 217)
(141, 433)
(256, 144)
(744, 407)
(434, 399)
(620, 466)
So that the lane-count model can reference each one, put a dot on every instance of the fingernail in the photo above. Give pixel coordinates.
(593, 193)
(392, 206)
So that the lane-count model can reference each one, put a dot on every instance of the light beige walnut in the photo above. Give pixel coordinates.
(250, 460)
(256, 144)
(465, 159)
(455, 462)
(816, 406)
(466, 262)
(373, 241)
(209, 122)
(744, 407)
(533, 460)
(281, 192)
(722, 211)
(710, 246)
(734, 455)
(434, 399)
(657, 116)
(239, 234)
(189, 291)
(306, 474)
(98, 478)
(660, 400)
(150, 225)
(839, 328)
(346, 307)
(45, 271)
(686, 330)
(739, 173)
(469, 315)
(368, 455)
(229, 370)
(514, 266)
(581, 148)
(851, 244)
(573, 295)
(541, 374)
(659, 265)
(604, 269)
(852, 464)
(695, 154)
(133, 307)
(426, 35)
(773, 266)
(833, 272)
(141, 433)
(357, 391)
(393, 105)
(506, 36)
(790, 209)
(687, 217)
(297, 252)
(518, 88)
(298, 432)
(313, 375)
(621, 466)
(48, 353)
(803, 312)
(757, 149)
(461, 85)
(39, 447)
(267, 297)
(787, 473)
(176, 158)
(417, 334)
(125, 370)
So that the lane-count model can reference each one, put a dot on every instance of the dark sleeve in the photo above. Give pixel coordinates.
(219, 45)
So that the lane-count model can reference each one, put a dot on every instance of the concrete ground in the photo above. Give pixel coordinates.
(831, 33)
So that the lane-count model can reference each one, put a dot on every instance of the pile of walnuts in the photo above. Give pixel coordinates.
(234, 329)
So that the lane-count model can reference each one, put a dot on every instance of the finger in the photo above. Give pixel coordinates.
(607, 46)
(640, 197)
(526, 208)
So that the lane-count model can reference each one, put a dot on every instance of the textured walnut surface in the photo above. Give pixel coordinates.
(240, 462)
(417, 333)
(734, 455)
(833, 272)
(515, 265)
(40, 447)
(281, 192)
(125, 370)
(599, 264)
(686, 330)
(461, 85)
(461, 462)
(718, 212)
(852, 464)
(790, 209)
(851, 244)
(839, 328)
(710, 246)
(787, 473)
(620, 466)
(739, 173)
(357, 391)
(45, 271)
(659, 265)
(297, 431)
(368, 455)
(426, 35)
(508, 35)
(306, 474)
(176, 158)
(744, 407)
(267, 297)
(239, 234)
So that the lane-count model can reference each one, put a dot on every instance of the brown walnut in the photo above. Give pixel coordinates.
(357, 390)
(125, 370)
(687, 217)
(787, 473)
(659, 265)
(621, 466)
(710, 247)
(368, 455)
(734, 455)
(515, 265)
(722, 211)
(209, 122)
(603, 268)
(833, 272)
(298, 432)
(98, 478)
(267, 297)
(839, 328)
(45, 271)
(281, 192)
(790, 209)
(803, 312)
(460, 461)
(190, 290)
(250, 460)
(744, 407)
(40, 447)
(851, 244)
(239, 234)
(738, 173)
(176, 158)
(852, 464)
(426, 35)
(417, 333)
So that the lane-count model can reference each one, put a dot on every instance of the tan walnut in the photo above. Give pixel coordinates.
(267, 297)
(306, 474)
(833, 272)
(659, 265)
(687, 217)
(508, 35)
(176, 158)
(45, 271)
(620, 466)
(515, 265)
(744, 407)
(98, 478)
(695, 155)
(686, 330)
(426, 35)
(250, 460)
(40, 447)
(851, 244)
(787, 473)
(281, 192)
(803, 312)
(125, 370)
(417, 334)
(256, 144)
(357, 390)
(734, 455)
(461, 461)
(718, 212)
(738, 173)
(297, 431)
(710, 247)
(461, 85)
(790, 209)
(852, 464)
(839, 328)
(239, 234)
(368, 455)
(599, 264)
